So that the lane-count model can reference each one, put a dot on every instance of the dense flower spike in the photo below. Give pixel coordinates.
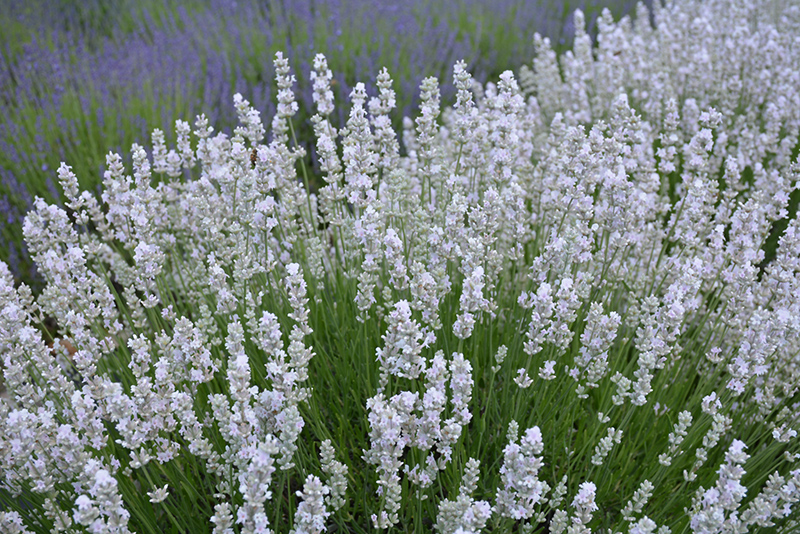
(602, 254)
(522, 490)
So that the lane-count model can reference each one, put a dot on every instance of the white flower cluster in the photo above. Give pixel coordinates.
(716, 507)
(406, 420)
(464, 515)
(603, 224)
(522, 490)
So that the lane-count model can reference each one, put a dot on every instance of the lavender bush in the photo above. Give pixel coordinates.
(79, 78)
(553, 313)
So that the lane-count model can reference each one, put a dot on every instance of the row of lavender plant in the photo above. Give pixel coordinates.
(90, 78)
(553, 312)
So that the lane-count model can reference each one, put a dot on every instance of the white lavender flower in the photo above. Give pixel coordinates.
(337, 473)
(311, 513)
(522, 489)
(404, 341)
(600, 239)
(464, 514)
(159, 494)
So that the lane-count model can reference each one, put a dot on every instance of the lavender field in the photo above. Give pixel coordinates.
(447, 267)
(78, 79)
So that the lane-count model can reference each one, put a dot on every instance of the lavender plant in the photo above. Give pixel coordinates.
(552, 313)
(78, 78)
